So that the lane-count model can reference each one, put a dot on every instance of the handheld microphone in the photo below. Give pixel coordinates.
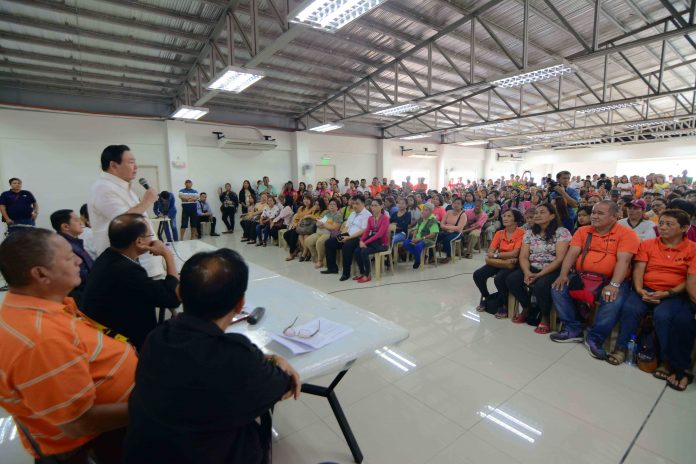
(144, 183)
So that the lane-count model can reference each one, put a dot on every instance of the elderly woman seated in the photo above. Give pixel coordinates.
(327, 226)
(425, 234)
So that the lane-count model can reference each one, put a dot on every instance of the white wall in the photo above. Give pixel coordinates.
(57, 155)
(354, 157)
(669, 158)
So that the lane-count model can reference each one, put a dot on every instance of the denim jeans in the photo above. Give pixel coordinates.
(398, 238)
(682, 332)
(663, 313)
(605, 318)
(446, 239)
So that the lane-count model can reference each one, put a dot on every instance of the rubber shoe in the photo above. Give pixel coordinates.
(596, 351)
(565, 337)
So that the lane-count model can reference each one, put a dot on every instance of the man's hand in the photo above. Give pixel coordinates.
(150, 197)
(559, 190)
(560, 282)
(158, 248)
(609, 293)
(295, 383)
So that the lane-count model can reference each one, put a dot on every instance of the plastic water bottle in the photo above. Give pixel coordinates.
(632, 350)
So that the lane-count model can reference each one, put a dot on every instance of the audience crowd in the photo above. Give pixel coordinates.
(583, 258)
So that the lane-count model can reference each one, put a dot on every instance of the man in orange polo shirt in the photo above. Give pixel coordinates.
(610, 252)
(375, 187)
(659, 282)
(65, 383)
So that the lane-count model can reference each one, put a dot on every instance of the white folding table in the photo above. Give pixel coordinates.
(285, 299)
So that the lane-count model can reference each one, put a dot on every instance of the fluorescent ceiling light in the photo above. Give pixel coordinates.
(613, 106)
(547, 135)
(583, 141)
(331, 15)
(472, 142)
(399, 109)
(534, 76)
(234, 79)
(327, 127)
(415, 137)
(190, 112)
(516, 147)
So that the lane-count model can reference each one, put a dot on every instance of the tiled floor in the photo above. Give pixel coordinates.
(467, 388)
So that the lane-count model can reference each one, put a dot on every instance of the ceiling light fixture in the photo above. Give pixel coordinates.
(583, 141)
(641, 124)
(398, 110)
(547, 135)
(189, 112)
(534, 76)
(415, 137)
(327, 127)
(612, 106)
(235, 79)
(472, 142)
(331, 15)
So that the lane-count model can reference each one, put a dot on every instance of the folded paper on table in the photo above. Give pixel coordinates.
(329, 332)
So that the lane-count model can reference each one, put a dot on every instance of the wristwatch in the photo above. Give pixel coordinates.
(615, 284)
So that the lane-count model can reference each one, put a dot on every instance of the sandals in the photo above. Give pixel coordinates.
(502, 313)
(678, 377)
(617, 357)
(663, 372)
(542, 329)
(482, 306)
(519, 319)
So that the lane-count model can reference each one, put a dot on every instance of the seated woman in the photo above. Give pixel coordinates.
(562, 210)
(424, 235)
(327, 226)
(659, 284)
(412, 207)
(319, 211)
(291, 236)
(375, 239)
(541, 256)
(451, 227)
(529, 218)
(402, 218)
(439, 210)
(251, 219)
(468, 201)
(583, 217)
(263, 228)
(282, 220)
(506, 246)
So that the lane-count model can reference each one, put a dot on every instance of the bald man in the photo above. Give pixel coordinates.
(119, 293)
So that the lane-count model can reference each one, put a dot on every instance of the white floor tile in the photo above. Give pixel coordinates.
(639, 455)
(394, 428)
(469, 449)
(671, 432)
(312, 445)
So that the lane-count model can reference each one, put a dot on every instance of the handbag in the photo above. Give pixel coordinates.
(306, 226)
(501, 263)
(585, 286)
(646, 356)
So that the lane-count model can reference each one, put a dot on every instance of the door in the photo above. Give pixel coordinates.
(324, 172)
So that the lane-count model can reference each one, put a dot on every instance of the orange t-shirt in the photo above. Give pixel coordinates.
(638, 190)
(56, 367)
(375, 189)
(666, 267)
(601, 257)
(501, 243)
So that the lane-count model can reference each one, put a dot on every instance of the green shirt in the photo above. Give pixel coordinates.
(427, 227)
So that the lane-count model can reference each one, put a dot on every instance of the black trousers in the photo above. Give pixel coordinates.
(682, 334)
(541, 289)
(291, 238)
(249, 228)
(276, 229)
(347, 247)
(482, 274)
(210, 219)
(228, 217)
(364, 256)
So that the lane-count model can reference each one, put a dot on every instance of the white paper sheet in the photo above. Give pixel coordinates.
(329, 331)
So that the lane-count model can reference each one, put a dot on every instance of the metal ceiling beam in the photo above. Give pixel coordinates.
(42, 57)
(75, 74)
(80, 32)
(390, 65)
(130, 23)
(137, 5)
(567, 25)
(24, 38)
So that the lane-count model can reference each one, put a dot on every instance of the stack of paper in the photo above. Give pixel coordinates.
(329, 331)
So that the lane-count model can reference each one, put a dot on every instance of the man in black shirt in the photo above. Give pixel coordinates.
(229, 203)
(198, 391)
(18, 207)
(119, 293)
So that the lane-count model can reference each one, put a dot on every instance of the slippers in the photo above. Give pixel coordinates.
(542, 328)
(679, 378)
(617, 357)
(663, 372)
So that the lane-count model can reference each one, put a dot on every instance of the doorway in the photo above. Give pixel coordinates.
(324, 172)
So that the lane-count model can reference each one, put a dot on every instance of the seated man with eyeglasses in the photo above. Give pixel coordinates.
(119, 293)
(199, 391)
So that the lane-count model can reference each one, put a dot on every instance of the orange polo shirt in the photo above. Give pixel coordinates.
(55, 367)
(666, 267)
(500, 241)
(601, 257)
(375, 189)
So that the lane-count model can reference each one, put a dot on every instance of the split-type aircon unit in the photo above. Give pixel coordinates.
(512, 157)
(262, 143)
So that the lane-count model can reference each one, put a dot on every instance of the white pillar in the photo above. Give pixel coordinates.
(177, 154)
(489, 164)
(384, 159)
(442, 178)
(299, 157)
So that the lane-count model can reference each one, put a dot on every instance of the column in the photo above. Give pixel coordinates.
(384, 159)
(177, 154)
(299, 157)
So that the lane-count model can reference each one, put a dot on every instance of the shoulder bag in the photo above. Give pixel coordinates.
(306, 226)
(585, 286)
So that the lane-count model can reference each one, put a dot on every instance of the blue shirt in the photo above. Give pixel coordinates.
(202, 207)
(165, 207)
(186, 205)
(572, 193)
(18, 204)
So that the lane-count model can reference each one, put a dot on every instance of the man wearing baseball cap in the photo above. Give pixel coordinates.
(644, 228)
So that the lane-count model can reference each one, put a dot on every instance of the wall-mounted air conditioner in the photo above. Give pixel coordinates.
(262, 143)
(423, 154)
(512, 157)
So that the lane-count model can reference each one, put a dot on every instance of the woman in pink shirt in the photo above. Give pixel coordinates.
(375, 239)
(439, 211)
